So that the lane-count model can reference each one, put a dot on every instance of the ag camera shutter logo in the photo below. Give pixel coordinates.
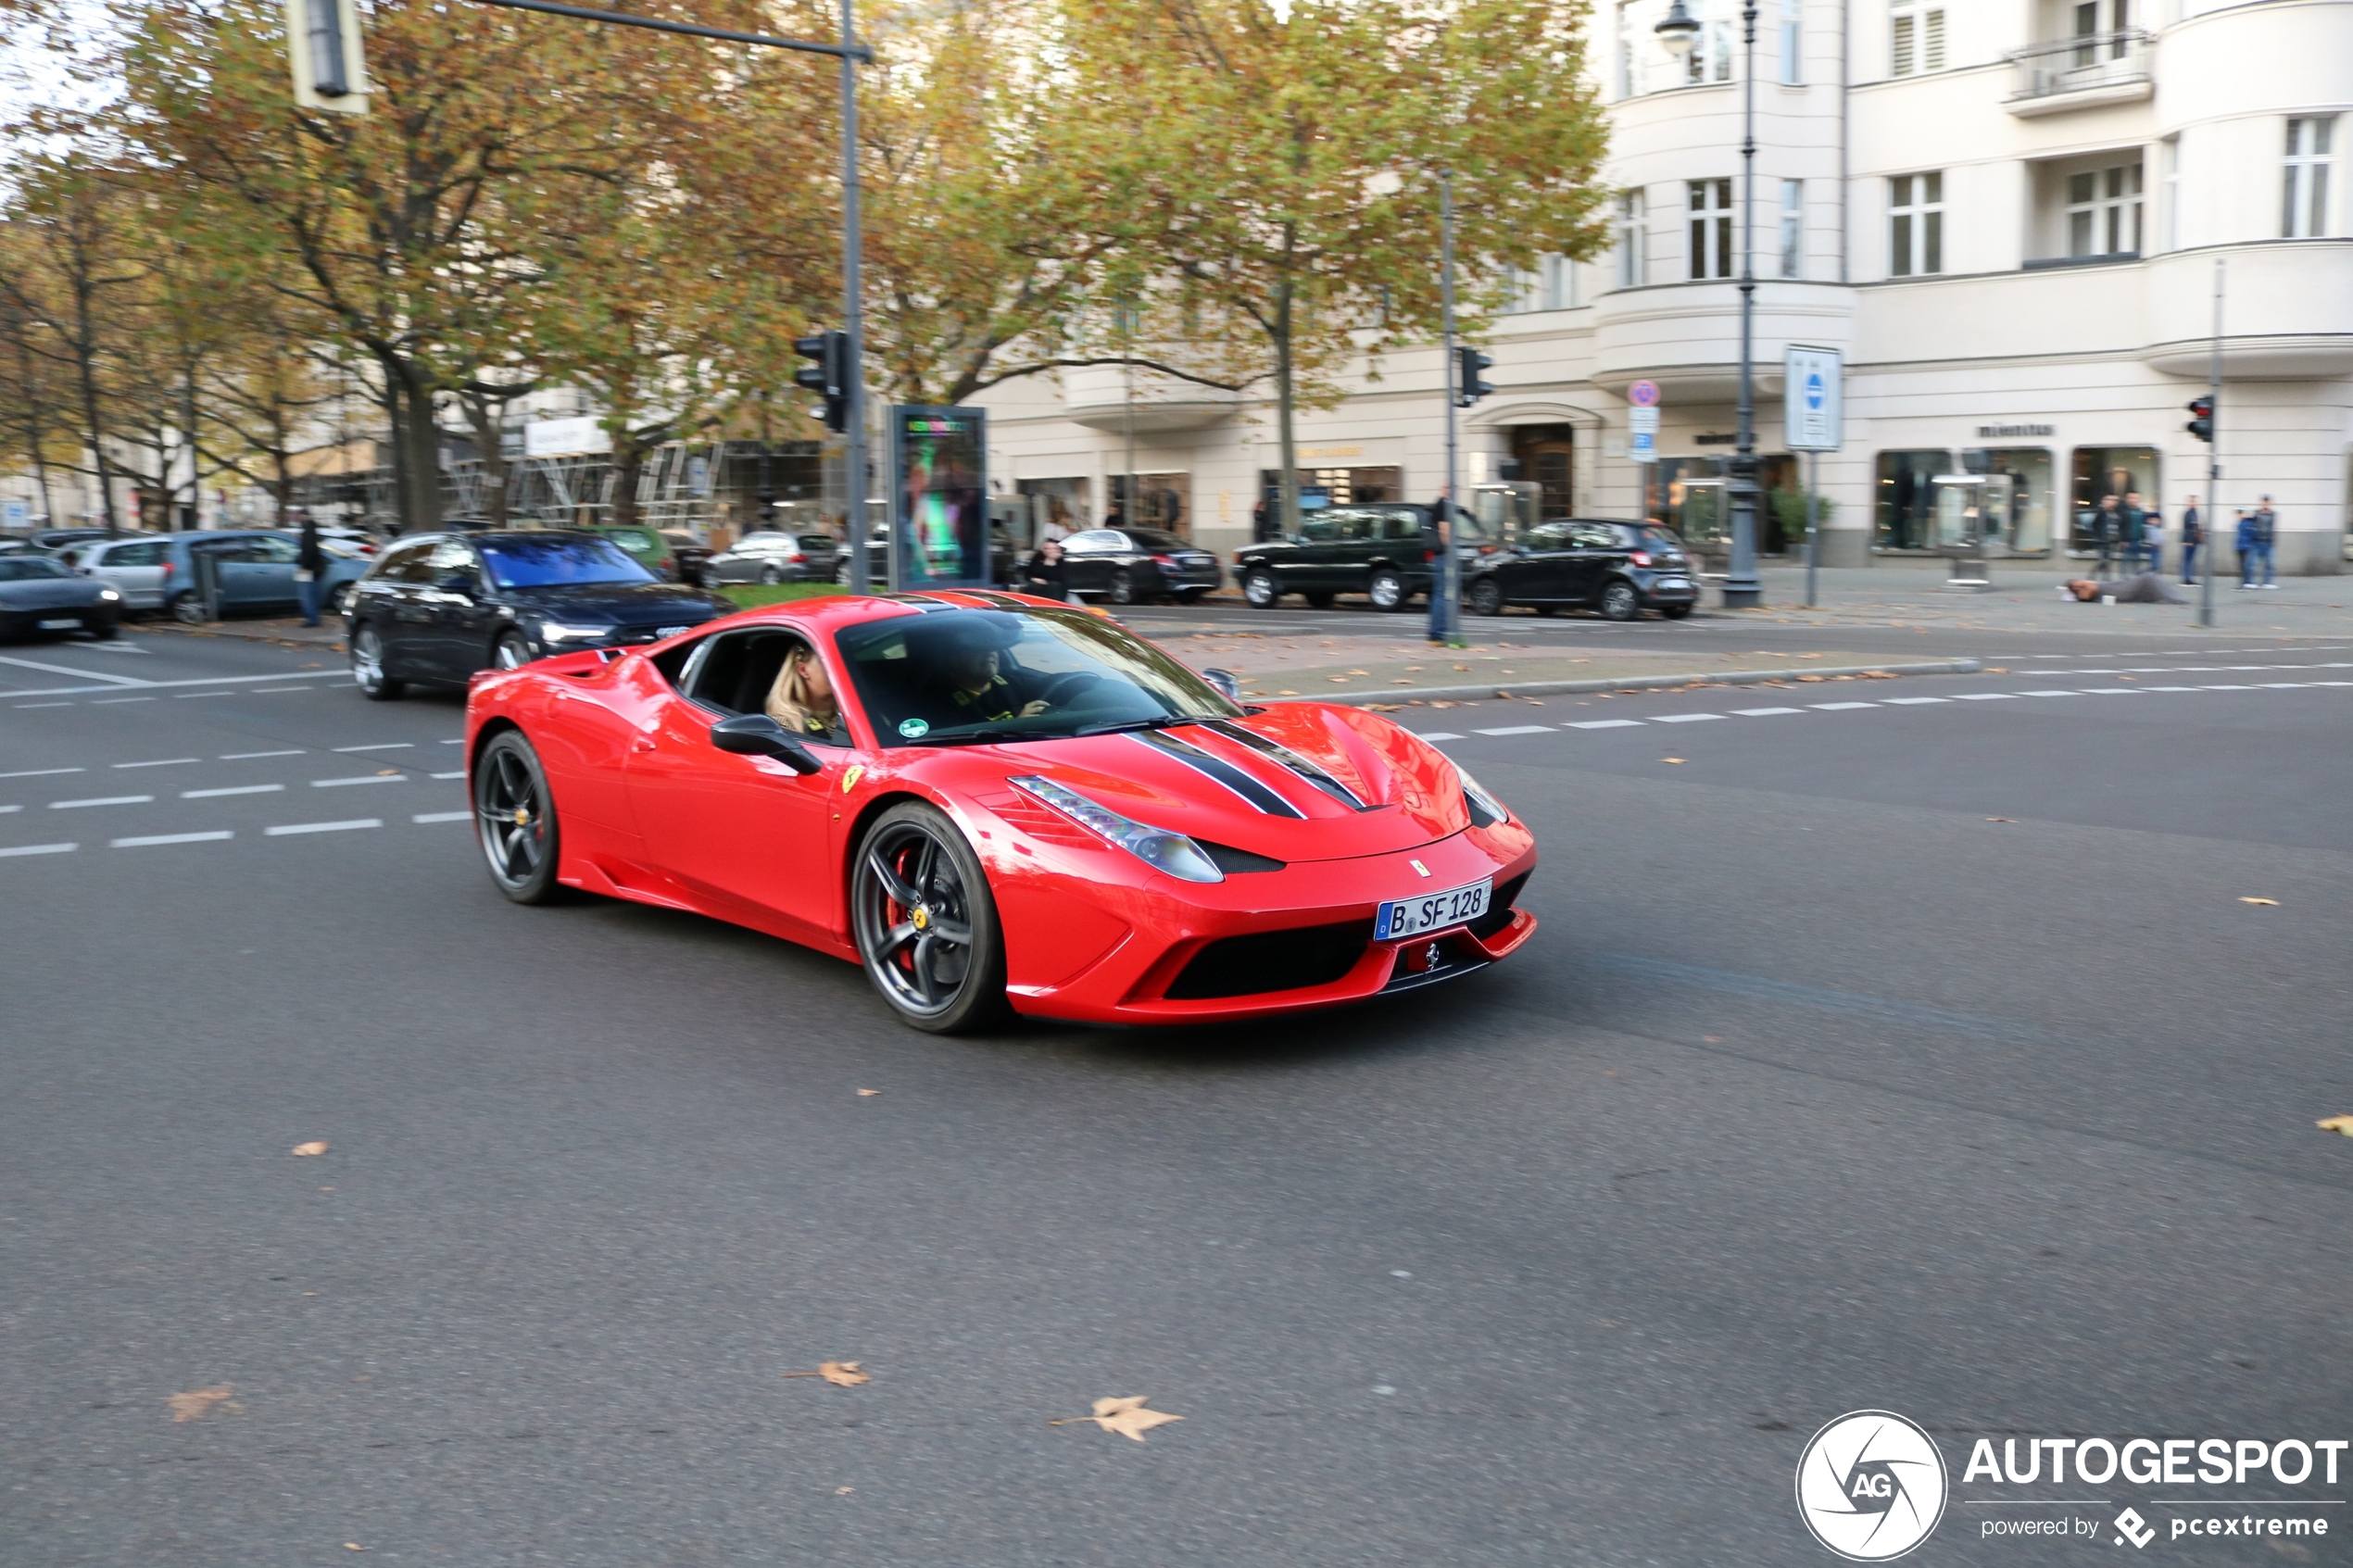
(1872, 1485)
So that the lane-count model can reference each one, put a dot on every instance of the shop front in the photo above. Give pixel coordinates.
(2005, 491)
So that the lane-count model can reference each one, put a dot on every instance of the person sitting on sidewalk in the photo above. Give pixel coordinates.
(2147, 588)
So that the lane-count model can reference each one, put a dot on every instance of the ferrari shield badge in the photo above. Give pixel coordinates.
(850, 780)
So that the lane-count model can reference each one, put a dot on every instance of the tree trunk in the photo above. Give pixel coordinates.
(85, 364)
(396, 419)
(628, 465)
(423, 439)
(485, 414)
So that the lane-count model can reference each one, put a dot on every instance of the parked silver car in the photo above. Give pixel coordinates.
(768, 557)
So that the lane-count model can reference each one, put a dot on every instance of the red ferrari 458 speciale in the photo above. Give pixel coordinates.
(998, 803)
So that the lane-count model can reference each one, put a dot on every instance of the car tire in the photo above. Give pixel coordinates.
(368, 667)
(1262, 590)
(1487, 596)
(1317, 600)
(509, 651)
(1620, 602)
(187, 609)
(1386, 590)
(916, 882)
(1675, 612)
(770, 576)
(515, 819)
(1123, 586)
(709, 578)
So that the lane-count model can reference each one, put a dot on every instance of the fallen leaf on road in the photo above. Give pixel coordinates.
(841, 1375)
(2272, 903)
(1670, 760)
(196, 1401)
(1127, 1417)
(1810, 678)
(2001, 818)
(353, 1546)
(1879, 674)
(868, 1093)
(318, 1146)
(2336, 1124)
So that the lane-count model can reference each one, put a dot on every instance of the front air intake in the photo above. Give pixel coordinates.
(1273, 960)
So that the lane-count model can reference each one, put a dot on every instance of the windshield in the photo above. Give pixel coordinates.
(973, 675)
(23, 569)
(1663, 540)
(558, 560)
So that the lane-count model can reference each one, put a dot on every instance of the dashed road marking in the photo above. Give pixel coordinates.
(362, 779)
(1764, 712)
(1840, 706)
(380, 746)
(284, 829)
(160, 763)
(156, 838)
(249, 756)
(1520, 730)
(1685, 718)
(233, 789)
(43, 773)
(39, 849)
(468, 816)
(461, 772)
(101, 800)
(1607, 725)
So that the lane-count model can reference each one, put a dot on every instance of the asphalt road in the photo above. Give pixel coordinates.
(1913, 1055)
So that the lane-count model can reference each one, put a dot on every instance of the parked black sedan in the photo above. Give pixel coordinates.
(1130, 565)
(1618, 569)
(39, 597)
(441, 606)
(1384, 552)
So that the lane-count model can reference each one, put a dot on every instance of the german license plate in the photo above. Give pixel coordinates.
(68, 624)
(1674, 581)
(1410, 917)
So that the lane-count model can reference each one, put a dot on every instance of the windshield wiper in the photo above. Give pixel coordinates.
(1125, 726)
(976, 737)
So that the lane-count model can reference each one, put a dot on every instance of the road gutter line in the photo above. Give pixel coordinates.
(1628, 684)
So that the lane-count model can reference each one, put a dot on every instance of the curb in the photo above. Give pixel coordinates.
(1635, 683)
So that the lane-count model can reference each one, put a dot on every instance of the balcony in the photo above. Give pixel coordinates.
(1112, 397)
(2088, 71)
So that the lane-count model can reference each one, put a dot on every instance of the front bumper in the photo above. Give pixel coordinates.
(1192, 579)
(1651, 586)
(27, 622)
(1105, 948)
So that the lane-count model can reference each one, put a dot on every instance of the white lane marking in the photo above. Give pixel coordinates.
(70, 670)
(41, 850)
(1512, 730)
(185, 695)
(461, 772)
(43, 773)
(1607, 725)
(1840, 706)
(233, 789)
(199, 680)
(468, 816)
(44, 705)
(2226, 688)
(1986, 696)
(2050, 693)
(5, 809)
(161, 762)
(170, 838)
(2111, 690)
(273, 691)
(281, 831)
(2169, 688)
(2284, 685)
(462, 740)
(1910, 701)
(249, 756)
(380, 746)
(1440, 735)
(102, 800)
(365, 778)
(1764, 712)
(1684, 718)
(109, 701)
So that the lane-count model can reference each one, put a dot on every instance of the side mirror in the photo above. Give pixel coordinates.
(1226, 682)
(756, 734)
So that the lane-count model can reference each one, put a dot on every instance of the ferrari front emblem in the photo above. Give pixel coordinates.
(1419, 867)
(850, 780)
(920, 920)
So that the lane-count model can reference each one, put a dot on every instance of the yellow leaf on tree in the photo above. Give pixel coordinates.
(1128, 1417)
(318, 1146)
(196, 1401)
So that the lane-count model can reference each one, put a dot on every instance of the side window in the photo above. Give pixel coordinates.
(1592, 536)
(402, 564)
(1357, 527)
(737, 674)
(1094, 539)
(1317, 530)
(146, 553)
(1401, 525)
(269, 547)
(1549, 536)
(451, 556)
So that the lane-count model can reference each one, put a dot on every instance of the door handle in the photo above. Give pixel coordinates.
(642, 743)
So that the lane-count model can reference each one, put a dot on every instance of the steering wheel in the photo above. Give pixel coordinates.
(1062, 688)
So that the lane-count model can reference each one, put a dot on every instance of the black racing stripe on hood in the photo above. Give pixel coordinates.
(1223, 772)
(1278, 752)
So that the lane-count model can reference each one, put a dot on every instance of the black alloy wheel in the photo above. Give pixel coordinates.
(1123, 586)
(1620, 602)
(368, 667)
(1675, 612)
(1487, 596)
(1386, 590)
(927, 924)
(772, 575)
(509, 652)
(1262, 589)
(515, 819)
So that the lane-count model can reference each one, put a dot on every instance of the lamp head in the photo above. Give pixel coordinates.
(1679, 32)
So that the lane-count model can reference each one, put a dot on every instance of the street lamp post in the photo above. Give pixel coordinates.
(1678, 33)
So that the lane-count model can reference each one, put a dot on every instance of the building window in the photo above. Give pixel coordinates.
(1915, 40)
(2168, 154)
(1903, 495)
(2101, 471)
(2104, 211)
(1916, 224)
(2304, 212)
(1625, 87)
(1711, 56)
(1633, 263)
(1550, 285)
(2115, 42)
(1711, 210)
(1792, 43)
(1793, 228)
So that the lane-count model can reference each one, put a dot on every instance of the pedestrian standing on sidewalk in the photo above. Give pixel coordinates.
(311, 564)
(2152, 524)
(2192, 537)
(2134, 523)
(2267, 525)
(2108, 530)
(2244, 532)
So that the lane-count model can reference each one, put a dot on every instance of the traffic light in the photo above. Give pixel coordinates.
(322, 40)
(829, 377)
(1469, 386)
(2201, 418)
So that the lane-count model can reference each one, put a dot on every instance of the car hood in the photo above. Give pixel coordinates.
(49, 592)
(626, 603)
(1293, 782)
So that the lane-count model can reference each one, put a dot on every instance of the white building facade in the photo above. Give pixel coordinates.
(2005, 214)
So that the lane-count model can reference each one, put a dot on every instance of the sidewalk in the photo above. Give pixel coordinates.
(286, 632)
(2028, 600)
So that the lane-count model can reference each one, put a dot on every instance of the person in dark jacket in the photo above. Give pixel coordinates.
(2192, 536)
(2265, 534)
(1043, 573)
(311, 564)
(2107, 534)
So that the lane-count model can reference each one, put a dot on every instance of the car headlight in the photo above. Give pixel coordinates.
(555, 632)
(1485, 808)
(108, 594)
(1157, 847)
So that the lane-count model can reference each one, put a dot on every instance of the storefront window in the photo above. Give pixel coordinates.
(1903, 495)
(1058, 506)
(2027, 528)
(1164, 500)
(2101, 471)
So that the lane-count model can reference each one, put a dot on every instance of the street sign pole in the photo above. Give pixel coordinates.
(1814, 421)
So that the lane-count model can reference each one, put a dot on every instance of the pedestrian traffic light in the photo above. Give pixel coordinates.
(829, 377)
(1469, 386)
(2201, 418)
(322, 42)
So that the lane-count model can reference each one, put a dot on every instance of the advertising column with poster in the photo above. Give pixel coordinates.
(939, 490)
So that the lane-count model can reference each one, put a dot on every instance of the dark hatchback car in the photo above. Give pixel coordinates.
(39, 598)
(1131, 565)
(1618, 568)
(1384, 552)
(440, 608)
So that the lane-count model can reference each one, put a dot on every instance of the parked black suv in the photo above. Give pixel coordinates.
(1385, 552)
(1619, 568)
